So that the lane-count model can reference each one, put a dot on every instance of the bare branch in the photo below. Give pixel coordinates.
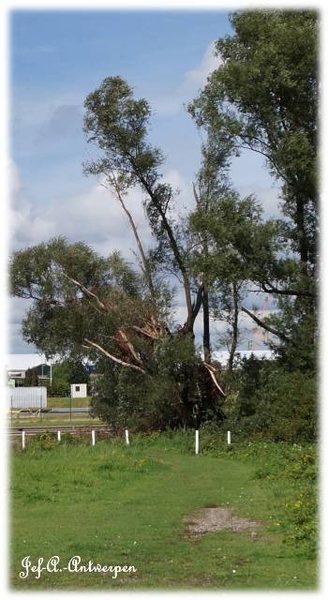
(195, 194)
(144, 261)
(274, 290)
(112, 357)
(211, 371)
(125, 342)
(265, 325)
(86, 291)
(145, 332)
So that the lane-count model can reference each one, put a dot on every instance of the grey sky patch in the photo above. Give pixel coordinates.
(65, 122)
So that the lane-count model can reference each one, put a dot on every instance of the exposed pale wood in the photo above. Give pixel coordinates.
(211, 371)
(112, 357)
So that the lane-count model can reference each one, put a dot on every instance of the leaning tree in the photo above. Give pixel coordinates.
(85, 303)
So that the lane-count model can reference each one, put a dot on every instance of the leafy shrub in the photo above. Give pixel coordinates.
(44, 441)
(287, 406)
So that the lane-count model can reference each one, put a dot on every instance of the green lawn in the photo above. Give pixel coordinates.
(126, 506)
(54, 419)
(66, 402)
(48, 418)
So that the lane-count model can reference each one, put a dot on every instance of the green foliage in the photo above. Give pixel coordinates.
(64, 281)
(118, 125)
(263, 98)
(66, 373)
(270, 402)
(43, 441)
(300, 517)
(287, 405)
(171, 397)
(31, 378)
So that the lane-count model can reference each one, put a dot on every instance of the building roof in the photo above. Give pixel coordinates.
(22, 362)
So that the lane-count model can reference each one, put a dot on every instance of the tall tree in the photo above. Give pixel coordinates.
(118, 125)
(264, 98)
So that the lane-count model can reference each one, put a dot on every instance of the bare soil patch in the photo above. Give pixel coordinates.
(209, 519)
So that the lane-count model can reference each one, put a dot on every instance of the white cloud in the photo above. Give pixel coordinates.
(93, 216)
(25, 227)
(197, 77)
(268, 197)
(171, 102)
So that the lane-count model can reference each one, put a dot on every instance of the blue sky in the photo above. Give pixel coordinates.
(56, 59)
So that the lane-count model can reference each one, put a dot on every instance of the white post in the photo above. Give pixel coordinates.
(197, 441)
(23, 440)
(127, 441)
(93, 437)
(58, 436)
(229, 437)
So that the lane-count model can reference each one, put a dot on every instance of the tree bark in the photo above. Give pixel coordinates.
(234, 340)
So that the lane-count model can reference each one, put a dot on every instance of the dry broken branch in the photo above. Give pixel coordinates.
(112, 357)
(122, 339)
(212, 373)
(86, 291)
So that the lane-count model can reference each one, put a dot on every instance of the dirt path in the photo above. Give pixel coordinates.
(216, 518)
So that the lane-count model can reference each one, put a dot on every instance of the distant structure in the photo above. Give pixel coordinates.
(222, 356)
(79, 390)
(18, 364)
(30, 398)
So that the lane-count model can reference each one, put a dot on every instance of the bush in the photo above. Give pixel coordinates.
(177, 394)
(287, 406)
(269, 402)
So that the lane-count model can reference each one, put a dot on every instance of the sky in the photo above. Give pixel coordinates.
(56, 58)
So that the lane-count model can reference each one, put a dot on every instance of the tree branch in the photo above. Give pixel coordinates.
(211, 371)
(274, 290)
(86, 291)
(145, 264)
(173, 242)
(264, 325)
(112, 357)
(125, 343)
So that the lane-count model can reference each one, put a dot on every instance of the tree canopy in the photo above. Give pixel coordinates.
(263, 98)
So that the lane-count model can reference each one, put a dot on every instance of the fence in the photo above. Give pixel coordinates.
(30, 398)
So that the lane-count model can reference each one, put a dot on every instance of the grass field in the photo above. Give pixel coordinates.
(66, 402)
(47, 418)
(117, 505)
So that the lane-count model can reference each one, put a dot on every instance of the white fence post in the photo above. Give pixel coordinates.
(229, 437)
(93, 437)
(127, 441)
(197, 441)
(58, 436)
(23, 440)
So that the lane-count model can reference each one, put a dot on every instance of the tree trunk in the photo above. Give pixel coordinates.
(206, 326)
(234, 339)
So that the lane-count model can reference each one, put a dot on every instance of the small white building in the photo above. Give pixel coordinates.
(79, 390)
